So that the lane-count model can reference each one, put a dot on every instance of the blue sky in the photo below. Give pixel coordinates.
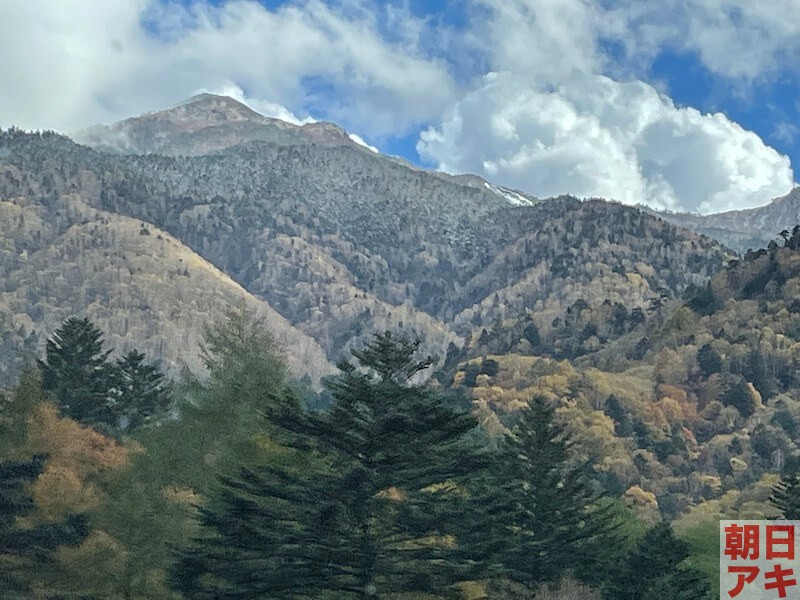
(679, 104)
(769, 107)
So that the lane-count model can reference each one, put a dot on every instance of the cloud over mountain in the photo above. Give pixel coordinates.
(548, 96)
(594, 136)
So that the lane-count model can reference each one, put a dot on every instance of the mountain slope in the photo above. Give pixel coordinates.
(342, 241)
(745, 229)
(144, 288)
(692, 415)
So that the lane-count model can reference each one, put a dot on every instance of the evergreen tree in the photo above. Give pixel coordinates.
(25, 552)
(739, 394)
(534, 516)
(242, 357)
(76, 371)
(277, 534)
(709, 360)
(140, 391)
(623, 422)
(654, 570)
(375, 521)
(786, 496)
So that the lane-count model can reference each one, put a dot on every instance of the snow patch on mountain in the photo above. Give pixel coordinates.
(360, 141)
(513, 197)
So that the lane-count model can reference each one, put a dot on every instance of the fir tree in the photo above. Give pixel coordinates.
(76, 371)
(709, 360)
(623, 423)
(275, 534)
(140, 391)
(376, 520)
(24, 552)
(654, 570)
(534, 516)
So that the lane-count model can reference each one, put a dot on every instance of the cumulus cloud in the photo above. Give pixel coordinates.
(593, 136)
(549, 120)
(546, 41)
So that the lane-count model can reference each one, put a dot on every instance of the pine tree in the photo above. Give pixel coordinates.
(534, 516)
(76, 371)
(24, 552)
(786, 496)
(653, 570)
(140, 391)
(375, 521)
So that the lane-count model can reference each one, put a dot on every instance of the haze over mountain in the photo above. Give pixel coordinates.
(208, 122)
(203, 124)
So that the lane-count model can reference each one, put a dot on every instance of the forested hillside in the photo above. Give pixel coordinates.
(342, 242)
(60, 256)
(741, 230)
(690, 417)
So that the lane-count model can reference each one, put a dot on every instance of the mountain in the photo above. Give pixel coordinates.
(669, 359)
(342, 241)
(690, 416)
(202, 124)
(207, 123)
(143, 287)
(741, 230)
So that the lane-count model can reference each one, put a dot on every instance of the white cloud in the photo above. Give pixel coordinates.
(548, 120)
(360, 141)
(264, 107)
(545, 41)
(76, 62)
(275, 111)
(737, 39)
(593, 136)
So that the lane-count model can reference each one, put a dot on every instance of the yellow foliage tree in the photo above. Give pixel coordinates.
(77, 456)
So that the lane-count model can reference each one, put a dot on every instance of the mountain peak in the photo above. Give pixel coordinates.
(206, 97)
(202, 124)
(213, 108)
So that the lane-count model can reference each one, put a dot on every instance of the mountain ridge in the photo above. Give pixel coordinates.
(135, 135)
(342, 242)
(201, 124)
(145, 288)
(744, 229)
